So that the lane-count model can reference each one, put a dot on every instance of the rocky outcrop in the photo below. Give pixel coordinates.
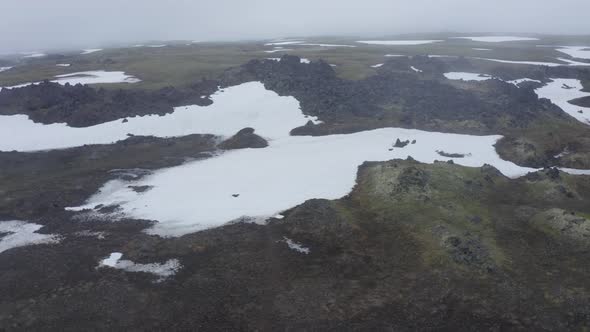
(82, 106)
(245, 138)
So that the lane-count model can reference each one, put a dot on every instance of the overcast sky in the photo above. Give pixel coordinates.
(35, 25)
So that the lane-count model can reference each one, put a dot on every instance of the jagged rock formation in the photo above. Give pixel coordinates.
(82, 106)
(245, 138)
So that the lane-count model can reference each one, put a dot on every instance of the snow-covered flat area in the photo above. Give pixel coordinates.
(562, 90)
(246, 105)
(326, 45)
(289, 42)
(91, 50)
(398, 42)
(4, 69)
(87, 77)
(35, 55)
(287, 173)
(161, 270)
(497, 39)
(278, 49)
(464, 76)
(580, 52)
(20, 233)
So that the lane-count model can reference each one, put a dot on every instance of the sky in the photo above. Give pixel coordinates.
(35, 25)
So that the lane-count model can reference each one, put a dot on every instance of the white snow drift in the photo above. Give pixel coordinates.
(87, 77)
(91, 50)
(398, 42)
(464, 76)
(560, 91)
(162, 270)
(22, 234)
(580, 52)
(296, 246)
(246, 105)
(4, 69)
(497, 39)
(293, 169)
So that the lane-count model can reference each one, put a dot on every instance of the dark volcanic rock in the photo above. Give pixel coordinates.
(400, 144)
(582, 102)
(245, 138)
(82, 106)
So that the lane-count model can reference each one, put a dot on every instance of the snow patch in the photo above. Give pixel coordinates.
(415, 69)
(496, 39)
(161, 270)
(296, 246)
(87, 77)
(398, 42)
(464, 76)
(290, 42)
(63, 65)
(482, 49)
(279, 50)
(377, 65)
(555, 92)
(35, 55)
(326, 45)
(91, 50)
(580, 52)
(20, 234)
(311, 167)
(4, 69)
(246, 105)
(522, 80)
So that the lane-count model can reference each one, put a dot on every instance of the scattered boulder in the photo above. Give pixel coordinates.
(400, 144)
(245, 138)
(450, 155)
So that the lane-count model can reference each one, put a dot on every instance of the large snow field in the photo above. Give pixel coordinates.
(464, 76)
(580, 52)
(398, 42)
(497, 39)
(234, 108)
(87, 77)
(560, 91)
(20, 233)
(91, 50)
(293, 169)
